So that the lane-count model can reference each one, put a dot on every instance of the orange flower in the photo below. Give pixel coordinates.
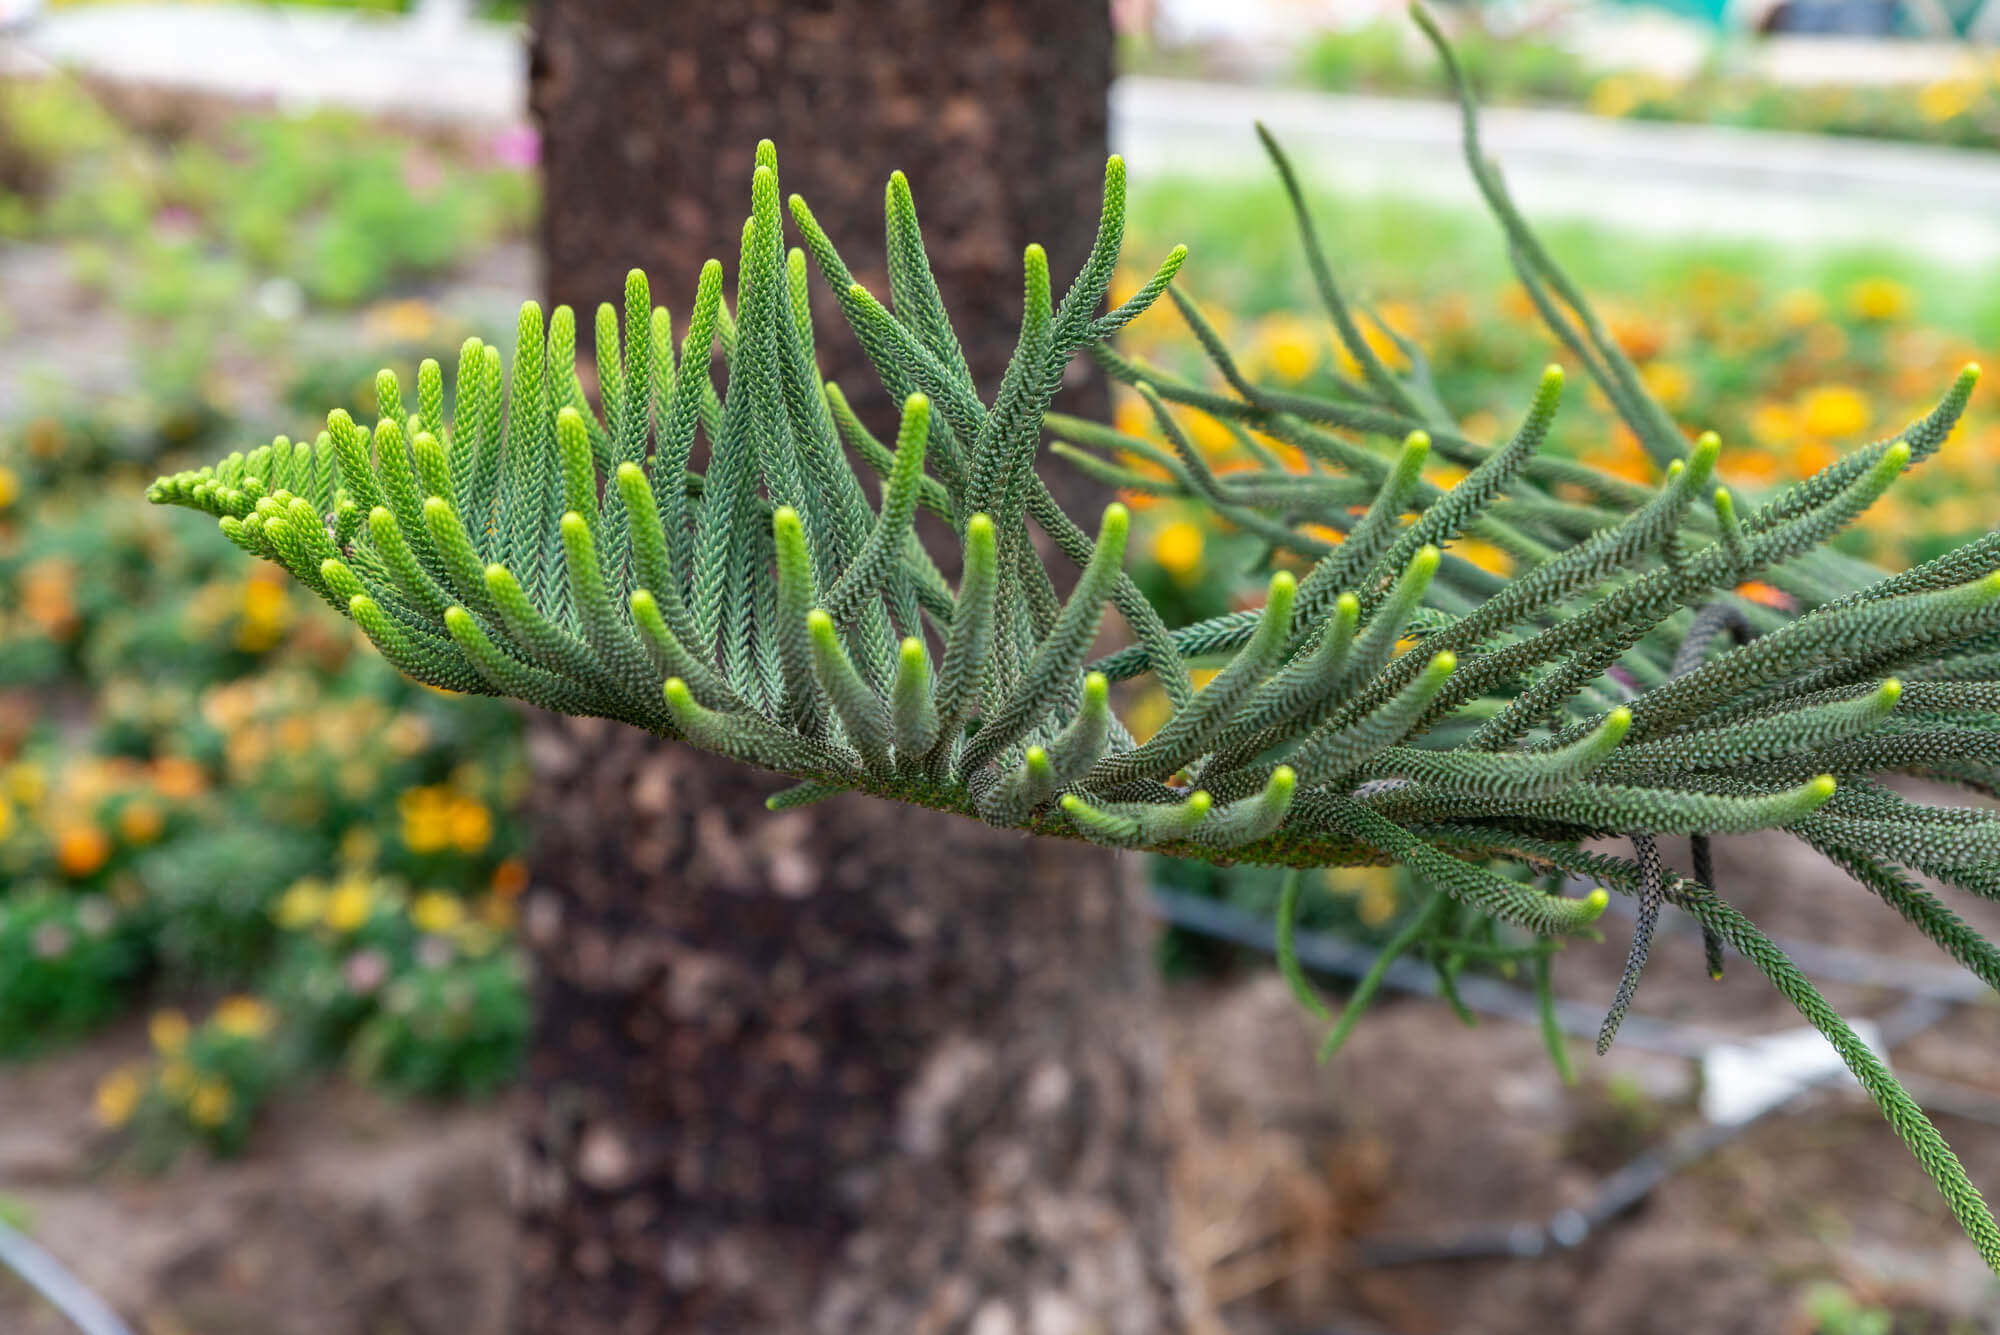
(81, 850)
(1753, 466)
(178, 778)
(471, 825)
(1640, 337)
(1810, 456)
(510, 878)
(47, 599)
(1768, 595)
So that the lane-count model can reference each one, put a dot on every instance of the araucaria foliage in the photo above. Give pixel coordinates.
(1392, 702)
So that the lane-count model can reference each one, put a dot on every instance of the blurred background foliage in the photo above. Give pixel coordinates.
(1961, 107)
(216, 810)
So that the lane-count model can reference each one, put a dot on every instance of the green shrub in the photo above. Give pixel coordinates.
(66, 964)
(204, 1085)
(420, 995)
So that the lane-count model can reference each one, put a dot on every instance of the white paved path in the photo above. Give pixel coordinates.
(1806, 190)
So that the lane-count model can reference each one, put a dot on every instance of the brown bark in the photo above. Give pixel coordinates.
(995, 109)
(836, 1069)
(855, 1067)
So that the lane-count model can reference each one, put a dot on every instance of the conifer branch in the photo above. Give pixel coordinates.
(541, 547)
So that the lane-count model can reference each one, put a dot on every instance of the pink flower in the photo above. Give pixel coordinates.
(516, 146)
(365, 971)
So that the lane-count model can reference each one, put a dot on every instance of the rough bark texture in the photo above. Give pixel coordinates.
(854, 1067)
(995, 109)
(830, 1070)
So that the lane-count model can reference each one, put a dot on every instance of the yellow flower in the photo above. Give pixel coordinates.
(6, 819)
(1669, 382)
(406, 321)
(118, 1096)
(471, 825)
(1148, 714)
(426, 814)
(1446, 476)
(177, 1080)
(169, 1031)
(1288, 345)
(1946, 99)
(1177, 549)
(81, 850)
(1379, 902)
(301, 906)
(210, 1104)
(1210, 435)
(1132, 416)
(140, 822)
(436, 912)
(1373, 888)
(1773, 424)
(1614, 95)
(1834, 410)
(1484, 555)
(10, 486)
(348, 907)
(1800, 307)
(27, 784)
(243, 1017)
(1878, 299)
(263, 616)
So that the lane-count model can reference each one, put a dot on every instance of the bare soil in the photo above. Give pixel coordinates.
(1422, 1129)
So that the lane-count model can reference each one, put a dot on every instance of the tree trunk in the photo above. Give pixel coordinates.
(854, 1067)
(995, 109)
(829, 1070)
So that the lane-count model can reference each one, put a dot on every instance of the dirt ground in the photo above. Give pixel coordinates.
(353, 1215)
